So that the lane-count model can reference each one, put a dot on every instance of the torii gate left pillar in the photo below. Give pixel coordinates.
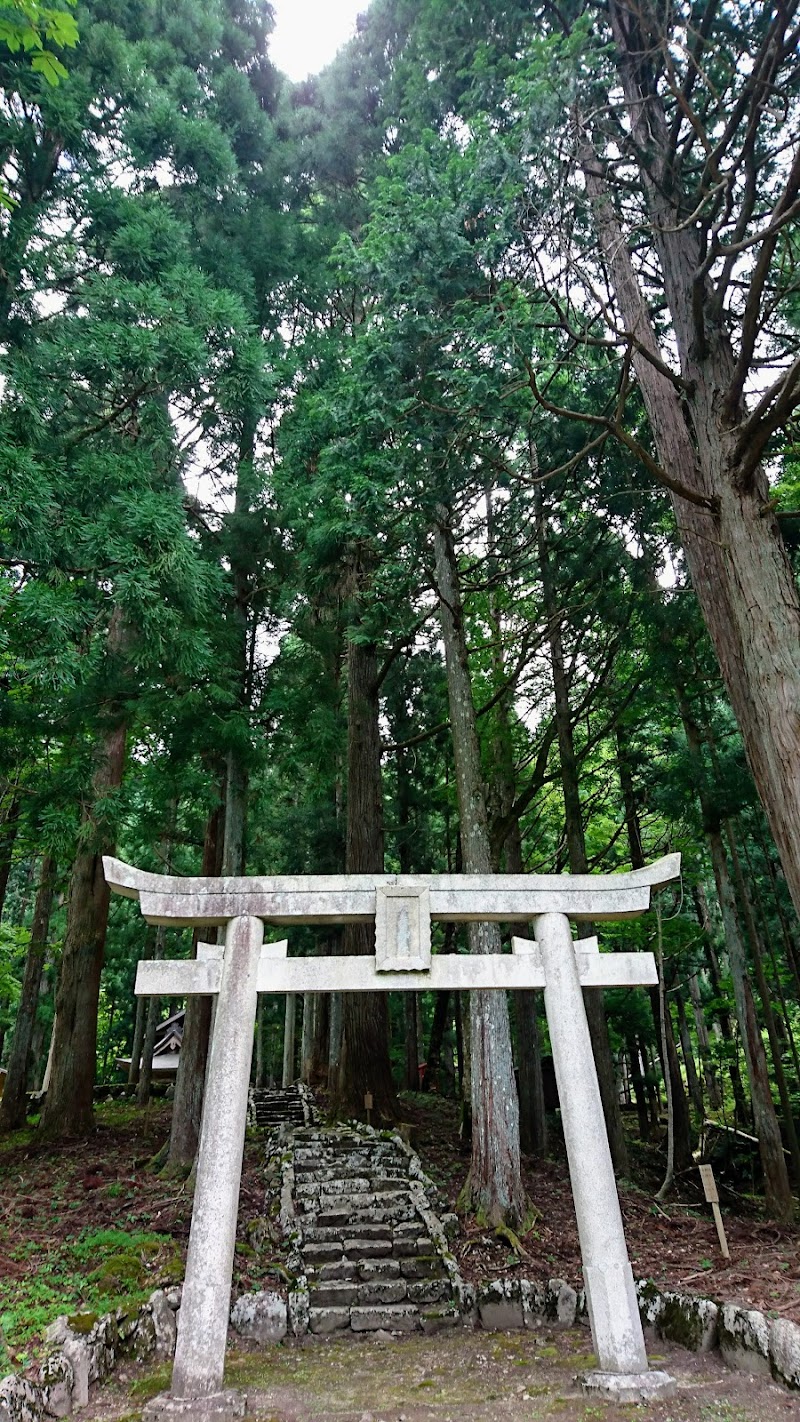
(403, 908)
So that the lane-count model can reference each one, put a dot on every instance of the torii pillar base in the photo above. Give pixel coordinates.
(223, 1406)
(629, 1387)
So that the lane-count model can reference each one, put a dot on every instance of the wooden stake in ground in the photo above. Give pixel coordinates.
(712, 1196)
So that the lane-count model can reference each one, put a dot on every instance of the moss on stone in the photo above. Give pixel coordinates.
(82, 1322)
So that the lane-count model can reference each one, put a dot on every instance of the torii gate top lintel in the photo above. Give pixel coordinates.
(349, 898)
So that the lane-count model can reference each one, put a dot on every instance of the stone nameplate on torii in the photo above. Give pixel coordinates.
(402, 907)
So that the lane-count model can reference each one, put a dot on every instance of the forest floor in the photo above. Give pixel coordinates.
(463, 1376)
(88, 1224)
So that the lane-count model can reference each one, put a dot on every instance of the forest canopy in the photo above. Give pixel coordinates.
(399, 472)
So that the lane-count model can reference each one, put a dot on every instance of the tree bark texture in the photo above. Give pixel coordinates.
(681, 1125)
(777, 1189)
(704, 1045)
(9, 828)
(145, 1082)
(67, 1108)
(731, 537)
(494, 1188)
(364, 1064)
(13, 1103)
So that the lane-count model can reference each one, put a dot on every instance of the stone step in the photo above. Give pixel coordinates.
(353, 1270)
(393, 1318)
(366, 1255)
(330, 1234)
(348, 1293)
(363, 1215)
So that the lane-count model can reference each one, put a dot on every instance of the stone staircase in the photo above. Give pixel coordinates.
(368, 1250)
(271, 1107)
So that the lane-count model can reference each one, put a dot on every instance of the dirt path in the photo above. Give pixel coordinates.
(460, 1377)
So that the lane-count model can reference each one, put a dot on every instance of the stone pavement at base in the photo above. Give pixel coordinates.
(460, 1376)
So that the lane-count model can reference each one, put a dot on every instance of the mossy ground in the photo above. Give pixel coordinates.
(460, 1377)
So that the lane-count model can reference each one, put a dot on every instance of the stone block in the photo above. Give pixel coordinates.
(439, 1317)
(77, 1354)
(57, 1331)
(165, 1327)
(261, 1316)
(328, 1320)
(421, 1266)
(784, 1349)
(321, 1253)
(20, 1400)
(143, 1340)
(378, 1269)
(365, 1248)
(744, 1339)
(427, 1291)
(533, 1297)
(394, 1318)
(404, 1248)
(651, 1306)
(334, 1295)
(297, 1309)
(55, 1379)
(561, 1302)
(500, 1305)
(691, 1322)
(338, 1269)
(382, 1291)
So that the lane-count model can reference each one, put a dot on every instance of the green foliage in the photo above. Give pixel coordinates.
(127, 1267)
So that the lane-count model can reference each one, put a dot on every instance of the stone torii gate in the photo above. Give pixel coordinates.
(402, 907)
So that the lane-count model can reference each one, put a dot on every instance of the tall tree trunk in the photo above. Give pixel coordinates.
(681, 1124)
(67, 1109)
(731, 537)
(9, 827)
(728, 1035)
(576, 842)
(692, 1078)
(704, 1045)
(145, 1082)
(289, 1038)
(508, 848)
(494, 1188)
(187, 1110)
(766, 1002)
(307, 1040)
(639, 1088)
(438, 1025)
(320, 1054)
(13, 1102)
(364, 1064)
(777, 1190)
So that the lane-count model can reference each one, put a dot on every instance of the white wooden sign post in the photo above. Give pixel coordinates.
(402, 907)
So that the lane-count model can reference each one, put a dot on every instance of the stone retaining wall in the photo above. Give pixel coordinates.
(85, 1348)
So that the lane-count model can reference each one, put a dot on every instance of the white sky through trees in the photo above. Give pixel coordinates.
(308, 33)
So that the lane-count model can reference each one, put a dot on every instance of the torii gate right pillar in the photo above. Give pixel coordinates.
(608, 1277)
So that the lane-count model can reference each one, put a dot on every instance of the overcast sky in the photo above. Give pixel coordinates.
(308, 33)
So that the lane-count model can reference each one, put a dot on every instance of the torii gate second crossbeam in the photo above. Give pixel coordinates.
(402, 907)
